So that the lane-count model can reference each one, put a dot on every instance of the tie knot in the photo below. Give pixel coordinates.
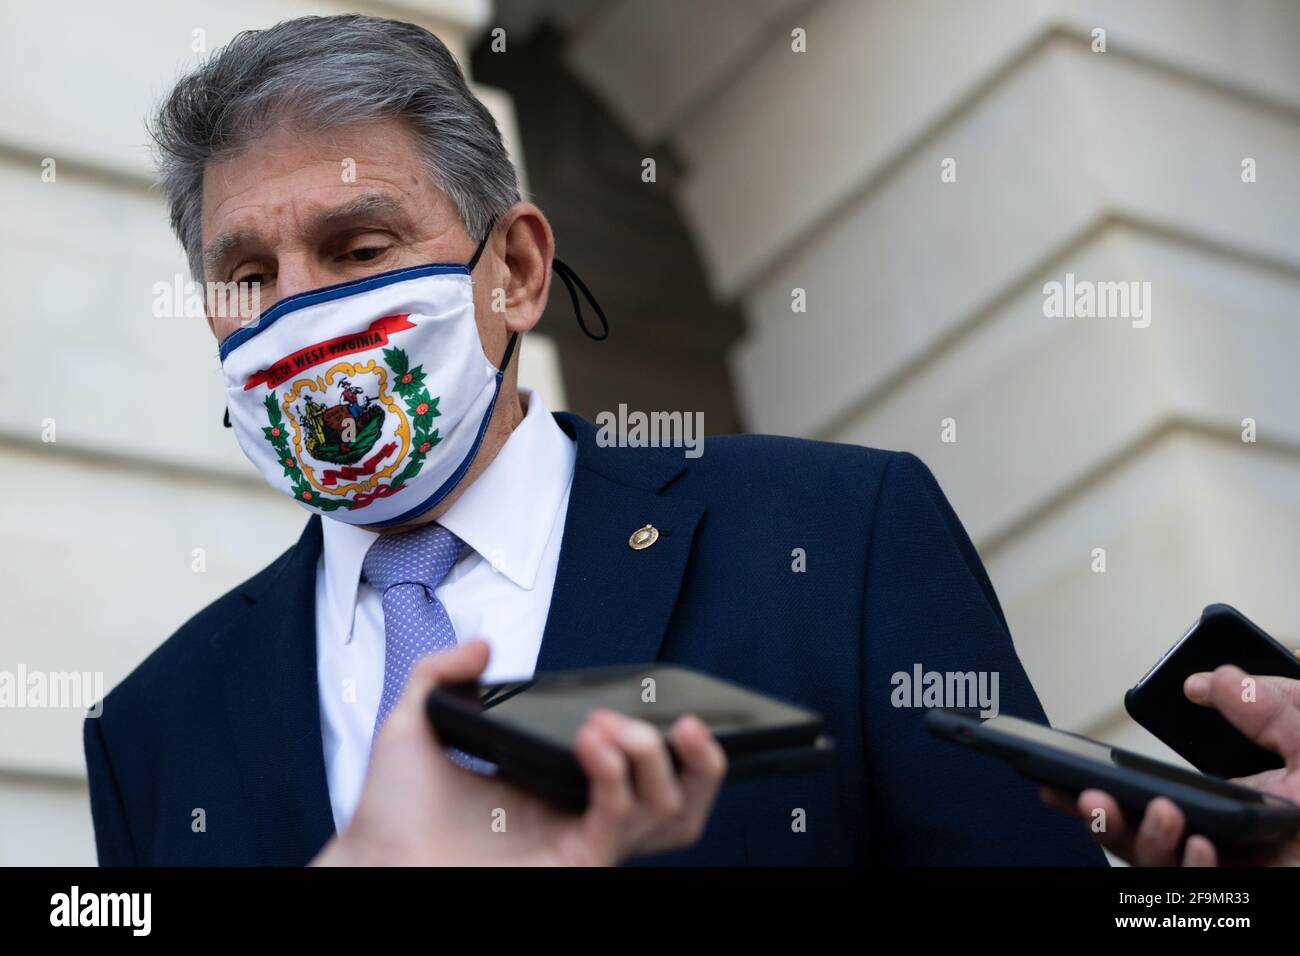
(423, 556)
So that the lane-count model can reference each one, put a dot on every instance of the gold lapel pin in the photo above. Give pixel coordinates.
(642, 538)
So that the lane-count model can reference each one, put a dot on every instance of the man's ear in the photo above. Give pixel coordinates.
(528, 246)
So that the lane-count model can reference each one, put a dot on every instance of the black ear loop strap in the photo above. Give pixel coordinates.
(567, 276)
(482, 244)
(514, 336)
(570, 278)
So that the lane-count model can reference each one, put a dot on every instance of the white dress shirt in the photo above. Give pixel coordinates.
(511, 520)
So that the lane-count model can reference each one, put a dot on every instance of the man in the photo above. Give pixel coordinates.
(807, 570)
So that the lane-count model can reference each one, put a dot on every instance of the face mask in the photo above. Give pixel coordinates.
(367, 401)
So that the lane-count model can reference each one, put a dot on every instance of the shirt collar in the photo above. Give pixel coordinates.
(506, 515)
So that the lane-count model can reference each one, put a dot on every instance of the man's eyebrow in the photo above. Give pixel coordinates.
(216, 251)
(353, 208)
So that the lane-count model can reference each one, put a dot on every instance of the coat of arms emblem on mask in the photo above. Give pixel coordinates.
(343, 436)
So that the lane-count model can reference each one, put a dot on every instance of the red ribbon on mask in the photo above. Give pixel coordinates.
(351, 472)
(366, 497)
(376, 335)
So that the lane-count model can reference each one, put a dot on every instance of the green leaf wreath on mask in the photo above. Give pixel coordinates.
(409, 383)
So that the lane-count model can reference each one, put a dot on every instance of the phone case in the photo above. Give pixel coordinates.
(1201, 735)
(1225, 820)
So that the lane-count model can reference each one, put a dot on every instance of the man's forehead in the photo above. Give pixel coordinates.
(316, 216)
(295, 144)
(311, 167)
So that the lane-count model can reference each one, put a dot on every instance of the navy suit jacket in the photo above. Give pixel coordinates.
(224, 715)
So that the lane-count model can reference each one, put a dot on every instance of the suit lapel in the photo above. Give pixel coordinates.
(611, 604)
(274, 710)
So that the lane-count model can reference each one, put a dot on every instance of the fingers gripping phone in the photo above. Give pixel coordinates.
(1227, 813)
(1201, 735)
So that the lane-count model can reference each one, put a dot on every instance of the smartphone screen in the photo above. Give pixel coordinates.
(554, 706)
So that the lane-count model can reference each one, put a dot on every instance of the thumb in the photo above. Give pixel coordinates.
(1197, 688)
(1268, 716)
(462, 663)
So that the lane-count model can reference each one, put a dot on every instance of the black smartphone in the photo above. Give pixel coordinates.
(1227, 813)
(1201, 735)
(526, 728)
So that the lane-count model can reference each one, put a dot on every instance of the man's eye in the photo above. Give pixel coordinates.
(365, 254)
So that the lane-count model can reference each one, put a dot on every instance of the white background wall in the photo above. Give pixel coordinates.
(98, 529)
(820, 171)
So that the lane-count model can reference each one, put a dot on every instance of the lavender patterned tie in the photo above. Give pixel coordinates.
(406, 568)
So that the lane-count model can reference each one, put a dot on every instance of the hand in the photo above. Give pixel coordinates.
(419, 808)
(1272, 720)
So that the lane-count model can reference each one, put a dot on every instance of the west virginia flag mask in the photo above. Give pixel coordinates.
(367, 401)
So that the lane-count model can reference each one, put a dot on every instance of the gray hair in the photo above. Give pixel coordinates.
(327, 71)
